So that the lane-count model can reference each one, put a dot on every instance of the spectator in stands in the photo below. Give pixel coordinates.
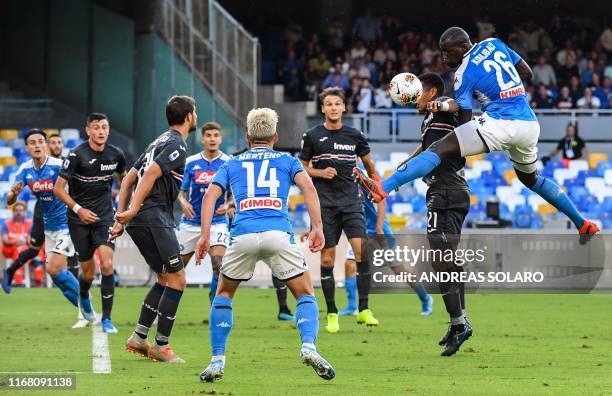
(335, 78)
(335, 37)
(391, 30)
(367, 27)
(15, 233)
(542, 99)
(606, 40)
(322, 64)
(384, 53)
(576, 90)
(428, 49)
(581, 60)
(485, 27)
(311, 82)
(382, 99)
(568, 69)
(543, 72)
(359, 70)
(371, 66)
(289, 74)
(562, 54)
(387, 73)
(604, 93)
(588, 101)
(587, 74)
(366, 94)
(565, 101)
(571, 146)
(358, 50)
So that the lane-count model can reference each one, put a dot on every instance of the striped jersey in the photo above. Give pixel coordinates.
(338, 149)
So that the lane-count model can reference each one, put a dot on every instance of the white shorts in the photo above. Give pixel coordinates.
(188, 236)
(519, 138)
(275, 248)
(350, 255)
(59, 242)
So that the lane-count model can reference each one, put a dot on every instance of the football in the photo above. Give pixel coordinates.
(405, 89)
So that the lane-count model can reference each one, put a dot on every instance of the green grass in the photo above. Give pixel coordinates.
(522, 344)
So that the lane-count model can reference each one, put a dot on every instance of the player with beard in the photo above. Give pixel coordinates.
(148, 213)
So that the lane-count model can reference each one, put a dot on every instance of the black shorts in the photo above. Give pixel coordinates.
(88, 237)
(444, 227)
(159, 247)
(337, 219)
(37, 232)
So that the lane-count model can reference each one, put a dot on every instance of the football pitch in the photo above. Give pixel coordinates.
(522, 344)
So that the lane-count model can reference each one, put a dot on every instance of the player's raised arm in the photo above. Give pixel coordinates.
(316, 241)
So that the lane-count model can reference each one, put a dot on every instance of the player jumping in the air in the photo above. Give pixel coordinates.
(158, 174)
(88, 171)
(448, 202)
(40, 174)
(329, 153)
(199, 171)
(493, 73)
(260, 179)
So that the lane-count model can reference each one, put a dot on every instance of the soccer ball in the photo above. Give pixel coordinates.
(405, 89)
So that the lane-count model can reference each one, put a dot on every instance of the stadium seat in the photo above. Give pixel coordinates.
(596, 158)
(401, 209)
(9, 134)
(6, 214)
(70, 133)
(608, 177)
(6, 152)
(397, 222)
(51, 131)
(561, 174)
(383, 166)
(294, 200)
(5, 187)
(523, 216)
(594, 183)
(397, 157)
(471, 174)
(473, 200)
(8, 161)
(534, 200)
(420, 186)
(471, 159)
(503, 192)
(602, 193)
(579, 165)
(602, 166)
(482, 165)
(16, 143)
(515, 200)
(546, 209)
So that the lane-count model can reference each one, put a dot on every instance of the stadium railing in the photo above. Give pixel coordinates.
(217, 50)
(402, 125)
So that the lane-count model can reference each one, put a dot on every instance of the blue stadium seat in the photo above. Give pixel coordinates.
(72, 143)
(606, 205)
(587, 202)
(577, 193)
(2, 143)
(602, 167)
(523, 216)
(554, 164)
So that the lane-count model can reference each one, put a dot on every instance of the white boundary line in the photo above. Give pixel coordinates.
(101, 362)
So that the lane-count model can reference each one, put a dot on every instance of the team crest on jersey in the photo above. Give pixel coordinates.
(66, 163)
(41, 186)
(173, 155)
(204, 177)
(261, 203)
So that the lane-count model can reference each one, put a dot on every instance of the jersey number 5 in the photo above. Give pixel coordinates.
(272, 183)
(498, 64)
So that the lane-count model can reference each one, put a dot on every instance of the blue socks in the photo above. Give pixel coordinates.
(221, 321)
(68, 284)
(553, 194)
(419, 166)
(307, 318)
(213, 287)
(419, 289)
(351, 292)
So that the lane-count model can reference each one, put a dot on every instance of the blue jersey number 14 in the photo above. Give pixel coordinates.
(272, 183)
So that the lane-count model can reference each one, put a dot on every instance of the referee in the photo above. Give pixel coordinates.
(88, 171)
(329, 153)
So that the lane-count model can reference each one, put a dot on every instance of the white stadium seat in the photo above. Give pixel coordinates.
(383, 166)
(6, 152)
(579, 165)
(513, 200)
(70, 134)
(517, 186)
(603, 193)
(420, 186)
(6, 214)
(482, 165)
(5, 187)
(396, 158)
(608, 177)
(471, 174)
(503, 191)
(400, 209)
(594, 183)
(563, 174)
(535, 201)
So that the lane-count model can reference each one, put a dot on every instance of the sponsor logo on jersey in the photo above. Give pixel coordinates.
(92, 160)
(110, 167)
(350, 147)
(323, 139)
(204, 177)
(41, 186)
(261, 203)
(512, 92)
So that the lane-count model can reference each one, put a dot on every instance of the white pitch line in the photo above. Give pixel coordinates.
(101, 361)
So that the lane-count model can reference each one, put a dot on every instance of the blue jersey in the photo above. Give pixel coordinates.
(487, 72)
(260, 179)
(41, 182)
(199, 172)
